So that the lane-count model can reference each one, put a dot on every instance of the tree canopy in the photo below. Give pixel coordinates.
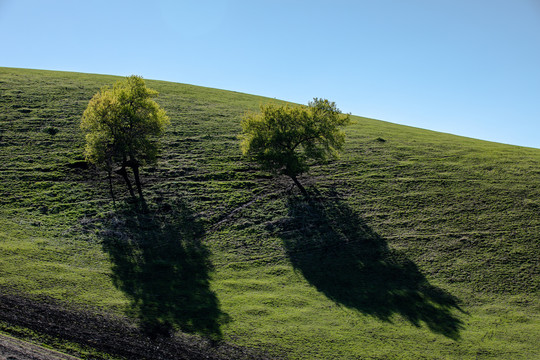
(122, 126)
(284, 138)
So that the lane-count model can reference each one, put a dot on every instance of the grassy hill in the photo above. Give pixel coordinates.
(417, 244)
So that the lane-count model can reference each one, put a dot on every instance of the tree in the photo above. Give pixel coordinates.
(283, 139)
(122, 126)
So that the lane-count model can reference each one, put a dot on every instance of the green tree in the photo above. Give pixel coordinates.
(283, 139)
(122, 126)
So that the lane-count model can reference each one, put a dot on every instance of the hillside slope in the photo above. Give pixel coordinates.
(418, 244)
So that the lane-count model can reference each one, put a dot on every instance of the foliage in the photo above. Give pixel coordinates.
(122, 124)
(284, 138)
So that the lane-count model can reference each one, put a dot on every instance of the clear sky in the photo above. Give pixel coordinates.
(467, 67)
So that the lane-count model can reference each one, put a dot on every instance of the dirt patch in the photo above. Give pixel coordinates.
(14, 349)
(105, 333)
(78, 165)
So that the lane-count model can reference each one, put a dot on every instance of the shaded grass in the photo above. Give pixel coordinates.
(159, 262)
(344, 259)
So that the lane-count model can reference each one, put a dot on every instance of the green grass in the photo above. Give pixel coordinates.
(420, 245)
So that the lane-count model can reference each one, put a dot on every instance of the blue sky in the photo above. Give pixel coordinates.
(467, 67)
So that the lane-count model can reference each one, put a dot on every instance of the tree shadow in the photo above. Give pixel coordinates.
(347, 261)
(159, 262)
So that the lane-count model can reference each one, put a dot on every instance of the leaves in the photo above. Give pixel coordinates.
(283, 139)
(123, 122)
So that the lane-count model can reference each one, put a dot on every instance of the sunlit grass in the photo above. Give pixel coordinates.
(460, 214)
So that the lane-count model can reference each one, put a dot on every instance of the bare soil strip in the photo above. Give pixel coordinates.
(114, 337)
(15, 349)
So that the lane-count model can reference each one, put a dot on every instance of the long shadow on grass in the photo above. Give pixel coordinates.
(159, 262)
(343, 258)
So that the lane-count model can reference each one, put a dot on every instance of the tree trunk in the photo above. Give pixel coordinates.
(135, 168)
(124, 174)
(302, 189)
(109, 171)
